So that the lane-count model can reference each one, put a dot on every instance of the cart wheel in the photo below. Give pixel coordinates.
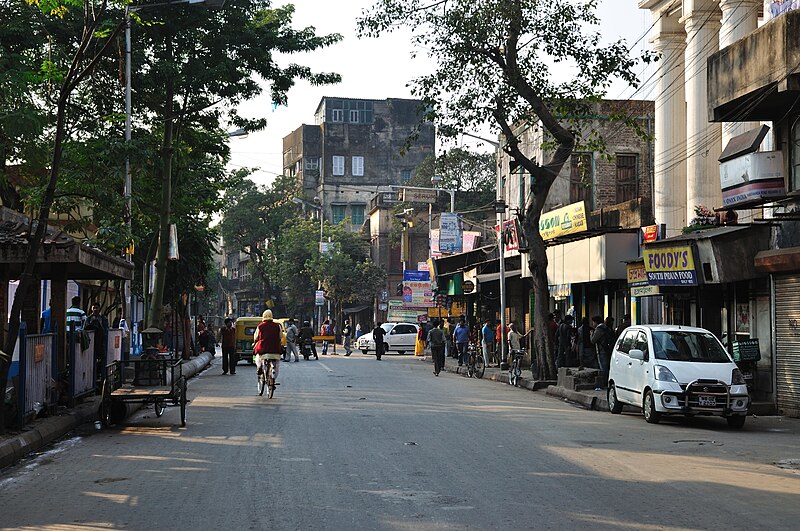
(159, 407)
(183, 401)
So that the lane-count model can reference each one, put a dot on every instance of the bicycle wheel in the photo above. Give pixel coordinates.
(271, 379)
(480, 368)
(261, 380)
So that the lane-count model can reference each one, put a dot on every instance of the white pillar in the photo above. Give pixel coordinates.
(703, 139)
(739, 18)
(669, 180)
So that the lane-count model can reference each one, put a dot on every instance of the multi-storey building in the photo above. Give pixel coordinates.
(726, 137)
(586, 270)
(356, 148)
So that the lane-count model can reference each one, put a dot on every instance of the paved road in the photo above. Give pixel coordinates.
(352, 443)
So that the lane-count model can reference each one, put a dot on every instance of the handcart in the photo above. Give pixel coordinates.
(148, 381)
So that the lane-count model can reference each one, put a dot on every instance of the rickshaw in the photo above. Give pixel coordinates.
(245, 330)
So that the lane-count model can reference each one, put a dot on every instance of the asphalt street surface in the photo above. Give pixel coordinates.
(353, 443)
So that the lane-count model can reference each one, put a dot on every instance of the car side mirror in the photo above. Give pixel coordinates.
(636, 354)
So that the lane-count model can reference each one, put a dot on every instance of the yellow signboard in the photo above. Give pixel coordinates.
(637, 276)
(670, 266)
(562, 221)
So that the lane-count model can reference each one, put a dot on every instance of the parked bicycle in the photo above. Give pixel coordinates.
(515, 369)
(475, 364)
(266, 378)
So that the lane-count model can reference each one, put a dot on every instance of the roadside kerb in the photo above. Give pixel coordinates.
(44, 431)
(586, 400)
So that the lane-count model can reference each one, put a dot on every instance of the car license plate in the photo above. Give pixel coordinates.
(706, 401)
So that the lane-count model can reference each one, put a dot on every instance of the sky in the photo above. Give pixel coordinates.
(380, 68)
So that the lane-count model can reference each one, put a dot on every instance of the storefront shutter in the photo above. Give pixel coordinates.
(787, 336)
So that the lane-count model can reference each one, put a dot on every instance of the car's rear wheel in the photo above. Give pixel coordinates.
(614, 405)
(401, 352)
(649, 409)
(364, 351)
(736, 421)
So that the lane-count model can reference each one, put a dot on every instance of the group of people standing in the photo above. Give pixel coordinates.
(589, 345)
(448, 339)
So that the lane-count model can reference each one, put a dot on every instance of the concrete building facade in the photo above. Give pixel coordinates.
(356, 148)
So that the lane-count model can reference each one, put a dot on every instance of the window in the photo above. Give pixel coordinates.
(311, 163)
(338, 165)
(627, 177)
(627, 341)
(339, 212)
(641, 343)
(353, 116)
(405, 175)
(357, 214)
(581, 178)
(337, 115)
(404, 329)
(358, 166)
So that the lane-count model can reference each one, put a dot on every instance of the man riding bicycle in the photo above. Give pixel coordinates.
(267, 344)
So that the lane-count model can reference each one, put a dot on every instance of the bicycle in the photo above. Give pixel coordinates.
(515, 370)
(475, 364)
(266, 378)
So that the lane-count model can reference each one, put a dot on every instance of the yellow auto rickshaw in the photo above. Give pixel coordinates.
(245, 330)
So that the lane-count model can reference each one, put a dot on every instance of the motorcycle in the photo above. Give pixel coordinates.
(306, 348)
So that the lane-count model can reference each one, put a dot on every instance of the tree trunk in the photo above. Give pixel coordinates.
(162, 255)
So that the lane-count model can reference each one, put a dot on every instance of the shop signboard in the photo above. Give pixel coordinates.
(418, 196)
(752, 177)
(450, 239)
(746, 350)
(417, 289)
(637, 276)
(644, 291)
(649, 233)
(319, 298)
(398, 312)
(562, 221)
(670, 266)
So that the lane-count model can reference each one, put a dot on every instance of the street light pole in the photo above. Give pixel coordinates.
(127, 304)
(500, 208)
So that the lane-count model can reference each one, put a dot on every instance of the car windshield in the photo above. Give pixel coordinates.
(387, 327)
(680, 345)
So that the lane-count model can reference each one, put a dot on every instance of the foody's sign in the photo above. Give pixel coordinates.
(670, 266)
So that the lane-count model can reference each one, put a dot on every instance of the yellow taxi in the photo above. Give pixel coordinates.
(245, 330)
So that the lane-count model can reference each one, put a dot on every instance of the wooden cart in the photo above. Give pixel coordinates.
(147, 381)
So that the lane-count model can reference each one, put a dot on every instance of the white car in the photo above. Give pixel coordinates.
(676, 370)
(400, 337)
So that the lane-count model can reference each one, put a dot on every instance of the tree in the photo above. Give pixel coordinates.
(210, 61)
(93, 41)
(495, 63)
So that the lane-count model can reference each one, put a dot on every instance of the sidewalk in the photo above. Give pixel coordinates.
(589, 399)
(41, 432)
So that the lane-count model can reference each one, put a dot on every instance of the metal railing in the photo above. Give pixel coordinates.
(38, 371)
(81, 363)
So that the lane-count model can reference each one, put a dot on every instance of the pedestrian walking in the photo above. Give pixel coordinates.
(346, 335)
(99, 323)
(436, 339)
(76, 317)
(603, 340)
(499, 341)
(587, 353)
(461, 339)
(552, 331)
(487, 342)
(377, 335)
(44, 326)
(564, 342)
(449, 347)
(291, 341)
(359, 333)
(334, 332)
(325, 331)
(229, 358)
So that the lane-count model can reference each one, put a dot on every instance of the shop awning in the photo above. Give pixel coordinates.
(355, 309)
(724, 254)
(590, 260)
(491, 277)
